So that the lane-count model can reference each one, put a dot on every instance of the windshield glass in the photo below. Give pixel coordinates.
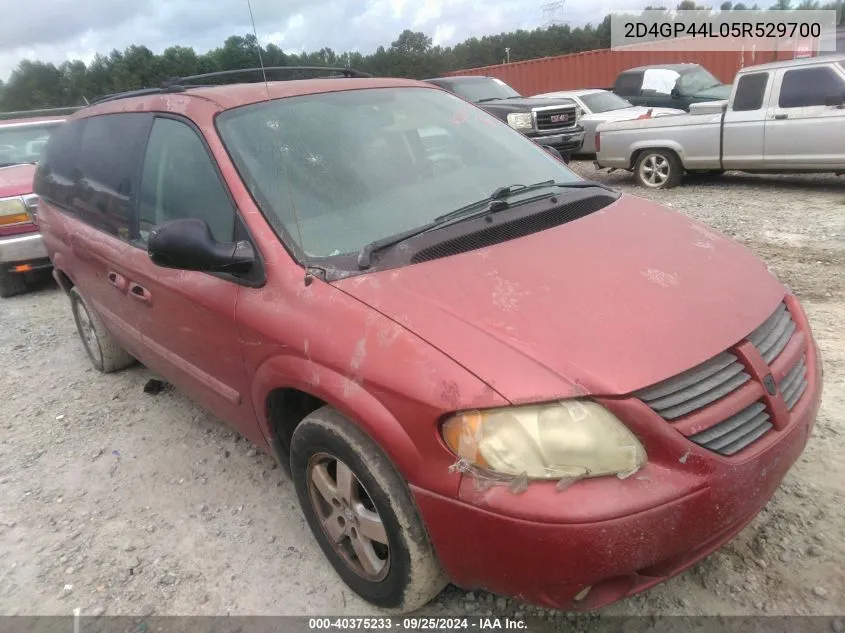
(478, 90)
(360, 165)
(604, 102)
(23, 142)
(696, 81)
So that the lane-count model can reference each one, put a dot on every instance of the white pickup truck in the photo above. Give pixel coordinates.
(785, 116)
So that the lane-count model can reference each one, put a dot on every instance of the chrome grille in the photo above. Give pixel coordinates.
(564, 117)
(696, 388)
(794, 383)
(737, 432)
(771, 337)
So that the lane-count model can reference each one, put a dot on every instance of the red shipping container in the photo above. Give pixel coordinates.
(599, 68)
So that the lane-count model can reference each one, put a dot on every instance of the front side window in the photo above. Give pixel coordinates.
(106, 174)
(479, 91)
(750, 90)
(805, 87)
(604, 102)
(179, 181)
(23, 142)
(344, 169)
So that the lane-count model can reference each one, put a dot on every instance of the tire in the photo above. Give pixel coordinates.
(402, 575)
(103, 351)
(658, 169)
(11, 284)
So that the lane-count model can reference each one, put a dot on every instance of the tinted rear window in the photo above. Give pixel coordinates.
(108, 166)
(56, 175)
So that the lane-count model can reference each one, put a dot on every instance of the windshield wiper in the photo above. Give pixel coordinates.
(486, 99)
(496, 201)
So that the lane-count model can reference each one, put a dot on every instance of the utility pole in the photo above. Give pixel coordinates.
(507, 55)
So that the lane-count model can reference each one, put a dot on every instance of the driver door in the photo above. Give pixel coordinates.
(189, 325)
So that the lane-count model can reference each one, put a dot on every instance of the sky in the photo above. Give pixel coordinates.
(60, 30)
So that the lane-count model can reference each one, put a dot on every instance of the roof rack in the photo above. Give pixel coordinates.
(180, 84)
(45, 112)
(345, 72)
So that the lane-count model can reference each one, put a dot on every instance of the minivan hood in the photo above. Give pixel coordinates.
(16, 180)
(606, 304)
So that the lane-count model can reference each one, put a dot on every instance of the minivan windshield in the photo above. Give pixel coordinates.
(23, 142)
(334, 172)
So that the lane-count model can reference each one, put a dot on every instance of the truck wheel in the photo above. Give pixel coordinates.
(105, 354)
(362, 514)
(11, 284)
(658, 169)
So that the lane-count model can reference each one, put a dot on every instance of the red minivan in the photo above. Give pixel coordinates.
(475, 366)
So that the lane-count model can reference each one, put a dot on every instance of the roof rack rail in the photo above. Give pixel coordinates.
(345, 72)
(132, 93)
(44, 112)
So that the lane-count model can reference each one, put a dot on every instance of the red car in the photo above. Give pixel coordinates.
(475, 366)
(21, 249)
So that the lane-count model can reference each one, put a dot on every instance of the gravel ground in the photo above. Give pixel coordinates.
(123, 503)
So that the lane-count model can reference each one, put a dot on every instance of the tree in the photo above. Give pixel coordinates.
(726, 6)
(781, 5)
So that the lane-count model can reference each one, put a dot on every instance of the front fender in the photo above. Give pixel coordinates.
(354, 401)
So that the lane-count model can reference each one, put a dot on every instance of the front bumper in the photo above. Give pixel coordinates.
(24, 248)
(563, 142)
(615, 537)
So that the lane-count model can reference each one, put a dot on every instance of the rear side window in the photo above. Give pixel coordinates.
(180, 181)
(108, 167)
(809, 87)
(56, 175)
(629, 84)
(750, 90)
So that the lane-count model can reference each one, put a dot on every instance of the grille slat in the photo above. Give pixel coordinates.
(795, 396)
(687, 378)
(771, 338)
(704, 399)
(698, 388)
(746, 440)
(737, 432)
(795, 375)
(545, 123)
(731, 424)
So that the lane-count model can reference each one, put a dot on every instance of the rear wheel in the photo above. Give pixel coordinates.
(658, 169)
(362, 514)
(11, 284)
(105, 354)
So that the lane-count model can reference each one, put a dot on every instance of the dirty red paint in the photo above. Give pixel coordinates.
(600, 307)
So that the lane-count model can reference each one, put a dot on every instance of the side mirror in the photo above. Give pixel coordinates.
(189, 245)
(676, 93)
(837, 101)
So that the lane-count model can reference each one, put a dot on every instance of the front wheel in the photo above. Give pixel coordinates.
(362, 514)
(658, 169)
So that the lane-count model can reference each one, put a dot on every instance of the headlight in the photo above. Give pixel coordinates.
(568, 439)
(521, 120)
(13, 211)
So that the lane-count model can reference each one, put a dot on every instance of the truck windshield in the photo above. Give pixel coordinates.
(23, 142)
(604, 102)
(696, 81)
(483, 90)
(335, 171)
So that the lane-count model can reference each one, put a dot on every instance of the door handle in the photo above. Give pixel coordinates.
(117, 280)
(780, 117)
(140, 294)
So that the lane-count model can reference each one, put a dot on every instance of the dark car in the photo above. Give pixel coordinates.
(670, 86)
(550, 122)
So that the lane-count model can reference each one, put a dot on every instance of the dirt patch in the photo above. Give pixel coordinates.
(121, 502)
